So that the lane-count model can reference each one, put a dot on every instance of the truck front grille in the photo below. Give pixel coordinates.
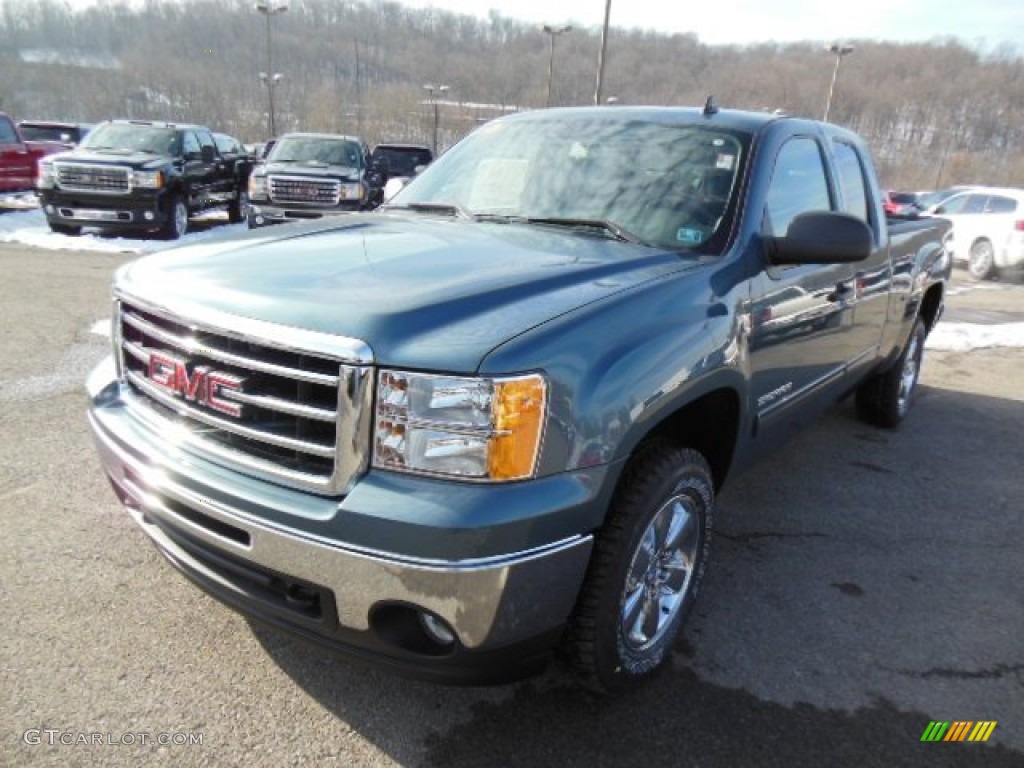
(298, 189)
(296, 415)
(104, 179)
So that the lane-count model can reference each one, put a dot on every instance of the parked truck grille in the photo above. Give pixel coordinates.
(296, 416)
(104, 179)
(296, 189)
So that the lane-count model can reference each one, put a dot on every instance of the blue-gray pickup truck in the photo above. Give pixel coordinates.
(489, 420)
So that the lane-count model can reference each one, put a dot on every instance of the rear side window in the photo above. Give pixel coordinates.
(851, 181)
(997, 204)
(798, 185)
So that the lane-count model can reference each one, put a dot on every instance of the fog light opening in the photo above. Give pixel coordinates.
(149, 215)
(436, 629)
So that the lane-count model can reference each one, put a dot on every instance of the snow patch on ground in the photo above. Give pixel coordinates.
(961, 337)
(29, 227)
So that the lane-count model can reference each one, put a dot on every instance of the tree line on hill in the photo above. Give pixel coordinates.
(934, 113)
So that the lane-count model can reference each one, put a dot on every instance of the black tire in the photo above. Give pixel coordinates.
(177, 220)
(72, 230)
(885, 399)
(981, 262)
(238, 209)
(639, 588)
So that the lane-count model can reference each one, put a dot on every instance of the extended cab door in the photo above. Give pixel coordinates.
(801, 316)
(872, 278)
(16, 166)
(220, 184)
(200, 172)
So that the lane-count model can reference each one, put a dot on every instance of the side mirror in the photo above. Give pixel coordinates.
(940, 210)
(207, 154)
(821, 237)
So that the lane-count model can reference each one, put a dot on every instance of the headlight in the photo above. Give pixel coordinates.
(147, 179)
(257, 187)
(350, 192)
(47, 175)
(479, 428)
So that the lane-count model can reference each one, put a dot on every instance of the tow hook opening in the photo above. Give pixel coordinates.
(413, 629)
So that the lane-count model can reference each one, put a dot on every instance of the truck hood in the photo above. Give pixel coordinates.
(423, 292)
(132, 158)
(342, 172)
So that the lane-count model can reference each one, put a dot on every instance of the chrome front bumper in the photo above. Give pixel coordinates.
(175, 496)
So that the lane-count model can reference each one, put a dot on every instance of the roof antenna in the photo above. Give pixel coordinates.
(710, 108)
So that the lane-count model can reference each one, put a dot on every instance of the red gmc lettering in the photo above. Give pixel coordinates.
(202, 385)
(215, 384)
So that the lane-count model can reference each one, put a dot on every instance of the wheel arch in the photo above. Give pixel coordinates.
(708, 424)
(931, 306)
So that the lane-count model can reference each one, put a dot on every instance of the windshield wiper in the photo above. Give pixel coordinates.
(452, 209)
(609, 227)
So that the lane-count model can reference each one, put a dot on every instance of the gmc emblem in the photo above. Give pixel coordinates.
(202, 385)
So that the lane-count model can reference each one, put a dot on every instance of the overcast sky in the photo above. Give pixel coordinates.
(988, 23)
(745, 21)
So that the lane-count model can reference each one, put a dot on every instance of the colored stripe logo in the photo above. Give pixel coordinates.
(959, 730)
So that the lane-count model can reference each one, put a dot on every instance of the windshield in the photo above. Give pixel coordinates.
(129, 136)
(666, 184)
(304, 149)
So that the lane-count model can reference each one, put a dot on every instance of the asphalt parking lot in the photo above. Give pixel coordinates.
(863, 584)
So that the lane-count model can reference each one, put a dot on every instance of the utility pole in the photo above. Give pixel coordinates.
(553, 32)
(270, 78)
(604, 51)
(839, 51)
(432, 89)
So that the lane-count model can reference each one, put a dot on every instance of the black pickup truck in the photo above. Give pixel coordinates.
(311, 175)
(141, 176)
(491, 418)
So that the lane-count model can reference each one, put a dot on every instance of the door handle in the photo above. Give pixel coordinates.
(841, 291)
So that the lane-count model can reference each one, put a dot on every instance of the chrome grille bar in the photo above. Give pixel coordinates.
(287, 404)
(102, 179)
(260, 401)
(191, 346)
(178, 406)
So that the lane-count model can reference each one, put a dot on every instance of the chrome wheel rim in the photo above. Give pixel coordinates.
(660, 572)
(981, 260)
(908, 376)
(180, 219)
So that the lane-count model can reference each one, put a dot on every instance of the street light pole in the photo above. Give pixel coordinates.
(603, 53)
(839, 51)
(270, 78)
(553, 32)
(431, 89)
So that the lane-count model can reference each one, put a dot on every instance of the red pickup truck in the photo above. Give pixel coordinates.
(19, 159)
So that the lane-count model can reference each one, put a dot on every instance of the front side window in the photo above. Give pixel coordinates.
(667, 185)
(798, 185)
(191, 145)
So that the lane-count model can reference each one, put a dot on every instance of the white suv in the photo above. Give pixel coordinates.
(988, 229)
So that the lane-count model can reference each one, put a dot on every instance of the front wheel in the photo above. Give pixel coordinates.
(981, 262)
(177, 222)
(646, 570)
(238, 208)
(884, 399)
